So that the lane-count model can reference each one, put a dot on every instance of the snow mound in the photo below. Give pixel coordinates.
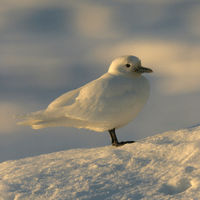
(165, 166)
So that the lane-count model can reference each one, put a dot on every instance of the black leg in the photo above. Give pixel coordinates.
(114, 139)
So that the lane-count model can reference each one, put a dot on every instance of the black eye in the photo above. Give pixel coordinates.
(127, 65)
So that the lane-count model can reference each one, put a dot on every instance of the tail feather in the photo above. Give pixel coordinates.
(39, 115)
(33, 119)
(30, 122)
(38, 124)
(39, 120)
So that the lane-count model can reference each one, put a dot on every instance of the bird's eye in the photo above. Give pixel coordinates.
(127, 65)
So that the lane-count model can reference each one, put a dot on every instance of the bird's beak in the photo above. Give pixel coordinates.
(141, 70)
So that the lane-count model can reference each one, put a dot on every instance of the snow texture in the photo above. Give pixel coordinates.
(165, 166)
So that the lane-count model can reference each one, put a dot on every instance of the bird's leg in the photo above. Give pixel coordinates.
(114, 139)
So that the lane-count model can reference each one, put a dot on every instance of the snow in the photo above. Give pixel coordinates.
(165, 166)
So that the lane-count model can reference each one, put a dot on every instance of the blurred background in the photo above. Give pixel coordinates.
(49, 47)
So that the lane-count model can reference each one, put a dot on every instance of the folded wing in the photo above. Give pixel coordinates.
(99, 105)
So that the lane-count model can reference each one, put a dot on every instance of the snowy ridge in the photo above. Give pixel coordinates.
(165, 166)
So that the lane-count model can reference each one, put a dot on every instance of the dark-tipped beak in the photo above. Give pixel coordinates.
(141, 70)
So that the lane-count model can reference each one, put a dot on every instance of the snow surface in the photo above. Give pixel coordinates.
(165, 166)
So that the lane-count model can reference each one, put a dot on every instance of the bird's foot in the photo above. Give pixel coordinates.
(118, 144)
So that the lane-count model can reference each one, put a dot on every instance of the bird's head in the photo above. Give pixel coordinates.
(128, 65)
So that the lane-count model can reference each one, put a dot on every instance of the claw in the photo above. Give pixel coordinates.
(115, 140)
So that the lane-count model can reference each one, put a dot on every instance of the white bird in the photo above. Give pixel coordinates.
(105, 104)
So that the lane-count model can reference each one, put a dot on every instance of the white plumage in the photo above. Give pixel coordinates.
(109, 102)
